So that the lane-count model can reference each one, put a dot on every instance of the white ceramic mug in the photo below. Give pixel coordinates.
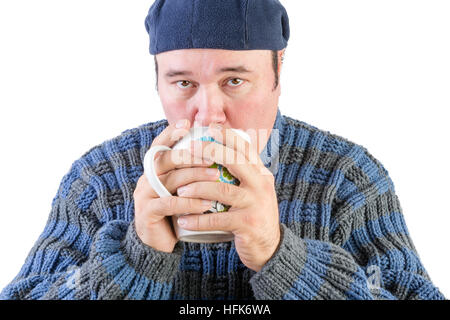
(195, 133)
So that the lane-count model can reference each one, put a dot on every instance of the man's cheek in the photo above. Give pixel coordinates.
(175, 112)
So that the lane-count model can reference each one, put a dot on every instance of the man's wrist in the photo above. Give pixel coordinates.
(147, 260)
(152, 238)
(273, 250)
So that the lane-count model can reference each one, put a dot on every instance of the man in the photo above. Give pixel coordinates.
(315, 218)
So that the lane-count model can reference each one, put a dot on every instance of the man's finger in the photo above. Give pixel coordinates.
(169, 206)
(168, 137)
(177, 159)
(221, 221)
(223, 192)
(233, 140)
(234, 161)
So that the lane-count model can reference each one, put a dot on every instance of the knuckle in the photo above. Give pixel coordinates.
(197, 222)
(193, 158)
(192, 204)
(224, 188)
(170, 203)
(241, 196)
(177, 158)
(181, 158)
(213, 220)
(196, 173)
(164, 204)
(210, 150)
(225, 219)
(149, 212)
(177, 134)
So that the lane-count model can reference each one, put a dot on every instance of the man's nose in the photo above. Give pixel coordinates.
(209, 106)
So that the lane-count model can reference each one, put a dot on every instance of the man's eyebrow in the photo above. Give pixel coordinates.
(239, 69)
(175, 73)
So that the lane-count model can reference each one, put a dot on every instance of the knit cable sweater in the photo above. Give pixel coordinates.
(343, 234)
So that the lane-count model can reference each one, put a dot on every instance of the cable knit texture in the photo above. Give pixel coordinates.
(343, 233)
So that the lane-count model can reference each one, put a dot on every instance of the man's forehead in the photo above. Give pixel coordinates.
(184, 62)
(211, 54)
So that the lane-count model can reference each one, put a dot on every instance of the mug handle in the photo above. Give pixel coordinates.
(149, 171)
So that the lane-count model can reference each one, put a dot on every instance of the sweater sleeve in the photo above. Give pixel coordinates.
(369, 255)
(78, 256)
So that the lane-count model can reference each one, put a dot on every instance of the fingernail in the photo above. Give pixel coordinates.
(177, 135)
(181, 222)
(181, 123)
(217, 126)
(212, 172)
(207, 203)
(181, 190)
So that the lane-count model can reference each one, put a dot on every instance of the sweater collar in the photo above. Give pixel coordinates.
(270, 153)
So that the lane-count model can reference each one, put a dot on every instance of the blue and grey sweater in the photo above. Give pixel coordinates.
(343, 232)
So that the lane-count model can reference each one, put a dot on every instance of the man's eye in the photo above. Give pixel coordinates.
(183, 84)
(233, 82)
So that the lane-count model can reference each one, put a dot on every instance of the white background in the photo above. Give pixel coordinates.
(75, 73)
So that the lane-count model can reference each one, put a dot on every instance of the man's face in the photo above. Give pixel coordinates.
(207, 91)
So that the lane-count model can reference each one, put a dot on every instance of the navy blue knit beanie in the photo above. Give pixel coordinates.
(217, 24)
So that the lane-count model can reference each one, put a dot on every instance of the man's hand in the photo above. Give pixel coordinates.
(253, 217)
(174, 168)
